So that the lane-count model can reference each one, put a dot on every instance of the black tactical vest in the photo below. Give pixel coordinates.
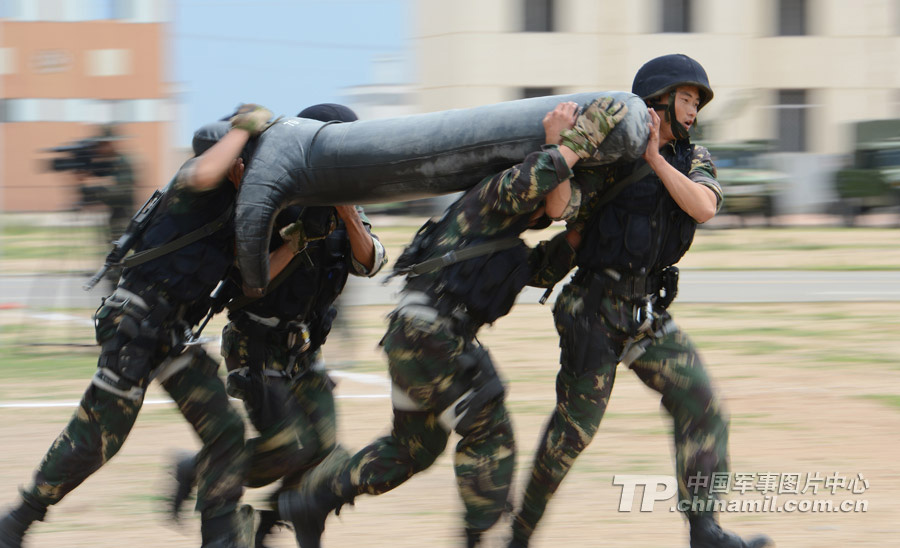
(642, 229)
(188, 274)
(488, 284)
(310, 290)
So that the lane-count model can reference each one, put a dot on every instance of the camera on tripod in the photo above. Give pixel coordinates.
(94, 156)
(82, 156)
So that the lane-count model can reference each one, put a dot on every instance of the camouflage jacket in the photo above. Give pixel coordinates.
(495, 207)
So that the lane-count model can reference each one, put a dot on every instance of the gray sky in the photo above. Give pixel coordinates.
(285, 54)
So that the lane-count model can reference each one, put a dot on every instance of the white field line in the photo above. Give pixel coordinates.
(364, 378)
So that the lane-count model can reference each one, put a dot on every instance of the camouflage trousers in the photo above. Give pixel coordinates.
(421, 359)
(104, 419)
(295, 417)
(592, 342)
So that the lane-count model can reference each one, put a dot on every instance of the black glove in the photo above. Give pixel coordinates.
(551, 260)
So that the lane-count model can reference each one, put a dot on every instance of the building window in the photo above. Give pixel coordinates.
(538, 15)
(528, 93)
(676, 16)
(792, 18)
(7, 61)
(108, 62)
(791, 113)
(142, 11)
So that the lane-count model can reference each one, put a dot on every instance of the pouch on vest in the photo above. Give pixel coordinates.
(488, 285)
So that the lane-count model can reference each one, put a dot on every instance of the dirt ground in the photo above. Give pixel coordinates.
(811, 388)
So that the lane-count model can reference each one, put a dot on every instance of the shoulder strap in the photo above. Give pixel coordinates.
(638, 173)
(146, 255)
(464, 254)
(240, 302)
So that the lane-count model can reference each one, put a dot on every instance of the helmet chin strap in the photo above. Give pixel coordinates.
(678, 130)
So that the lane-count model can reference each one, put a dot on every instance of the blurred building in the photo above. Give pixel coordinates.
(388, 95)
(794, 71)
(67, 66)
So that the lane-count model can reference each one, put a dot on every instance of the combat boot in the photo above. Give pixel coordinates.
(307, 508)
(234, 531)
(268, 520)
(185, 473)
(14, 524)
(706, 533)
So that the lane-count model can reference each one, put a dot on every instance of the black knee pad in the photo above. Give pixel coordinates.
(484, 386)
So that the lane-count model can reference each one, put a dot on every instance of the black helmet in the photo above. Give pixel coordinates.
(329, 112)
(663, 74)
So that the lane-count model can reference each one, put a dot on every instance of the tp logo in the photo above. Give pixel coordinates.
(630, 482)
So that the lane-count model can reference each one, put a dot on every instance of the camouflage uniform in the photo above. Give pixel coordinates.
(598, 324)
(427, 338)
(141, 328)
(289, 398)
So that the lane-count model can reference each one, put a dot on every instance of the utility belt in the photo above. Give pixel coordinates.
(612, 282)
(292, 335)
(650, 295)
(661, 286)
(152, 296)
(438, 310)
(139, 327)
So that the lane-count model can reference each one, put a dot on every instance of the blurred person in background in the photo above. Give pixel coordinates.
(105, 176)
(117, 193)
(142, 329)
(273, 345)
(636, 221)
(463, 271)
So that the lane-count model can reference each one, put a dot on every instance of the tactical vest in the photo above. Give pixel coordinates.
(642, 229)
(190, 273)
(310, 290)
(487, 284)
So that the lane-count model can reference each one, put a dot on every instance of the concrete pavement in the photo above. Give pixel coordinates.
(696, 286)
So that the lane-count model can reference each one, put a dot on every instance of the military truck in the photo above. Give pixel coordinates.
(871, 178)
(749, 182)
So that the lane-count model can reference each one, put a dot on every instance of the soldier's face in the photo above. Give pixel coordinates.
(687, 101)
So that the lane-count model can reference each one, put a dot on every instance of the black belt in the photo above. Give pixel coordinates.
(624, 285)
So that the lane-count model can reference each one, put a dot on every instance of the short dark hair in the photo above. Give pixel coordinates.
(329, 112)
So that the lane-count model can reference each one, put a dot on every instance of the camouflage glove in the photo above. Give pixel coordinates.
(550, 261)
(592, 126)
(314, 223)
(252, 118)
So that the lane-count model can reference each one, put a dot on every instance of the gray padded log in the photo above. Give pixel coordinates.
(299, 161)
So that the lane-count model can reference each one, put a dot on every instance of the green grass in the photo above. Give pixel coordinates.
(36, 364)
(24, 241)
(890, 400)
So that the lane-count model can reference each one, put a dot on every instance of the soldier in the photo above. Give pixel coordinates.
(141, 327)
(636, 221)
(463, 271)
(272, 346)
(109, 162)
(119, 196)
